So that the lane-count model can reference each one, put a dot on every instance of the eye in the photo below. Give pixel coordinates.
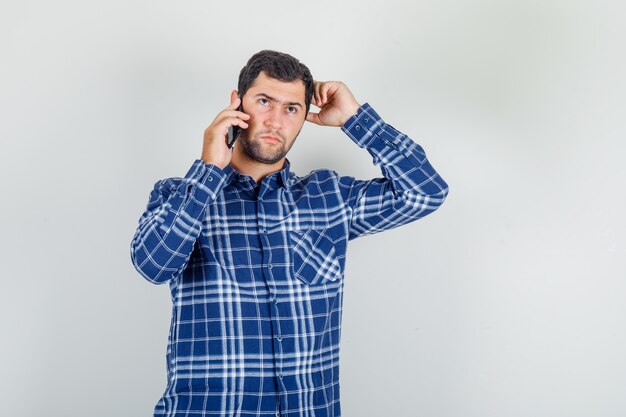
(292, 110)
(263, 101)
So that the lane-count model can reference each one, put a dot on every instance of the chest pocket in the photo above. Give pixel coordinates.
(314, 257)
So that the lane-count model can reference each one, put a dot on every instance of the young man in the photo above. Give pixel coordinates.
(254, 255)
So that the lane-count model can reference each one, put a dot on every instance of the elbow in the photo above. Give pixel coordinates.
(146, 267)
(440, 196)
(435, 192)
(425, 201)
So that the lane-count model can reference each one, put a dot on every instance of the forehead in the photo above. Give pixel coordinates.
(284, 91)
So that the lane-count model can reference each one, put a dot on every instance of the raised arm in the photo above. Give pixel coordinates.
(172, 221)
(162, 245)
(410, 187)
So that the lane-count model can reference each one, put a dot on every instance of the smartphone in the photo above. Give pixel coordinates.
(234, 131)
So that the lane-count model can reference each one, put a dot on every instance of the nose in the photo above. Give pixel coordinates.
(274, 118)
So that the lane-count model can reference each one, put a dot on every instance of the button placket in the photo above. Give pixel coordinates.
(268, 259)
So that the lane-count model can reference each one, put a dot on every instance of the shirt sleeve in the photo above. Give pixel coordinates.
(410, 189)
(172, 221)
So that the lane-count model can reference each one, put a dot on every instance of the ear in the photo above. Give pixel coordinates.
(233, 95)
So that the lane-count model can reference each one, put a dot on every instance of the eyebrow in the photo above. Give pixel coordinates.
(275, 100)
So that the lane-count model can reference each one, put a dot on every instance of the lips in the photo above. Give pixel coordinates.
(271, 138)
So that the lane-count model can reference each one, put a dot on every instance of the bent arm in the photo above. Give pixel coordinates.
(168, 228)
(410, 189)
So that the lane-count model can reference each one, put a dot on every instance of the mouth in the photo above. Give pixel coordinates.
(271, 138)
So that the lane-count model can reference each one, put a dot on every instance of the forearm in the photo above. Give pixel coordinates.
(410, 189)
(401, 159)
(172, 221)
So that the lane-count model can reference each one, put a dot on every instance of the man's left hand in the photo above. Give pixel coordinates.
(336, 103)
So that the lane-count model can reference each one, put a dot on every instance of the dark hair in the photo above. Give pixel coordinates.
(276, 65)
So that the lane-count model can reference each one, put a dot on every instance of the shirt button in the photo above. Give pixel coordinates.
(270, 266)
(275, 301)
(357, 127)
(366, 120)
(280, 376)
(277, 414)
(210, 178)
(279, 338)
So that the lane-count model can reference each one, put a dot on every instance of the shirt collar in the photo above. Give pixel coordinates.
(281, 178)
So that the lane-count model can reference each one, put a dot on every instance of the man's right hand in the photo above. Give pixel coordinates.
(215, 150)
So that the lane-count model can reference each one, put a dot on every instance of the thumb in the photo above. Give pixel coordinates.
(314, 118)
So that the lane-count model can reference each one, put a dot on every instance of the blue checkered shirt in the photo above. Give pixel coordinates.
(256, 273)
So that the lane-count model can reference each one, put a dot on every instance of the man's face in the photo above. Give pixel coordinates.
(277, 112)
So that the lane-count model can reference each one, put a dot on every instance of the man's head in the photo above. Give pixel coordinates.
(276, 91)
(277, 65)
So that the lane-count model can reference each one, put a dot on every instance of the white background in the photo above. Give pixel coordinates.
(508, 301)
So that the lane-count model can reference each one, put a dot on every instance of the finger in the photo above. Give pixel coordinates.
(239, 122)
(232, 121)
(318, 97)
(322, 92)
(314, 118)
(327, 89)
(234, 113)
(316, 85)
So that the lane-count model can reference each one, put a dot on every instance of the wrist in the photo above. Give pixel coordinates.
(351, 111)
(212, 161)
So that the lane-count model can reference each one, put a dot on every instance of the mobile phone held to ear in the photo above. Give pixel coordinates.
(234, 131)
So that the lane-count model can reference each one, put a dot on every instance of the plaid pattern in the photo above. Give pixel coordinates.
(256, 273)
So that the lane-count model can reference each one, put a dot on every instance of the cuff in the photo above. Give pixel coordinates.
(362, 126)
(204, 181)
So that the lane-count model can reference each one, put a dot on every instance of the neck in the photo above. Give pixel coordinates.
(257, 170)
